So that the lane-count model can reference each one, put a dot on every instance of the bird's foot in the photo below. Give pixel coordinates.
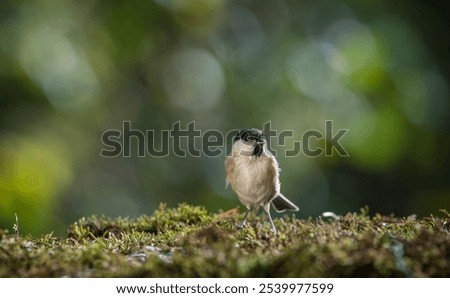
(241, 225)
(273, 228)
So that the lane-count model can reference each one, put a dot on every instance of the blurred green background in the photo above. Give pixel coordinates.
(69, 70)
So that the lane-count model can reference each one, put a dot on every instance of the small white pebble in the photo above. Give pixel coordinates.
(331, 214)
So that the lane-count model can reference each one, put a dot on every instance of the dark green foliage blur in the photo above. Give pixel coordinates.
(71, 70)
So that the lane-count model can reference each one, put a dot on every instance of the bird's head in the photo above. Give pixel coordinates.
(252, 137)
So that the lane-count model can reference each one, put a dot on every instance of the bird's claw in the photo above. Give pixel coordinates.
(241, 225)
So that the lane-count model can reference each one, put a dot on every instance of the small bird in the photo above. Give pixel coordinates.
(253, 173)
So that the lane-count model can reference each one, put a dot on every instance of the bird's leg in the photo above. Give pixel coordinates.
(266, 208)
(243, 223)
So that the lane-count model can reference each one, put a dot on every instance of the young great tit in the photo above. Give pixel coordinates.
(253, 173)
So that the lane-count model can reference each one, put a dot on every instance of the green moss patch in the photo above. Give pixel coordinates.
(187, 241)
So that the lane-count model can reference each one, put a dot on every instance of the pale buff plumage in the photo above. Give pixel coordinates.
(255, 179)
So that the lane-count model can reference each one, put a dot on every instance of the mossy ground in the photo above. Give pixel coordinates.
(189, 242)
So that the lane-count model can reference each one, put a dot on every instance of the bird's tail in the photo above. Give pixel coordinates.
(281, 204)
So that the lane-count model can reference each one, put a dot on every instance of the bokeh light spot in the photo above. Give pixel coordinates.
(193, 80)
